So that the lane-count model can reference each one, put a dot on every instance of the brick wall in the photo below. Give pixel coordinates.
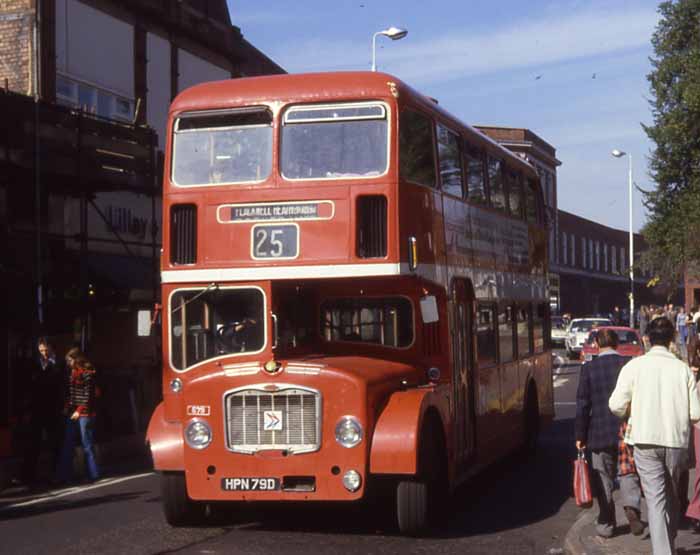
(16, 33)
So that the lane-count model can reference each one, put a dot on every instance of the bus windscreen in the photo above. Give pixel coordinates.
(222, 147)
(334, 141)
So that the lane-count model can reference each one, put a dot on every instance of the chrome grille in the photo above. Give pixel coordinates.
(300, 409)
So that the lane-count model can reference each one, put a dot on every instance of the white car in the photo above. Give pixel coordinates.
(558, 330)
(577, 333)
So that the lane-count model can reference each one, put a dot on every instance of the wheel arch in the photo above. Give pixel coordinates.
(166, 442)
(397, 434)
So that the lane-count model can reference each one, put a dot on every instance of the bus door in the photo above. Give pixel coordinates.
(463, 373)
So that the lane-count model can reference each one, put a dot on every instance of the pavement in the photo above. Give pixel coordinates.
(117, 451)
(581, 539)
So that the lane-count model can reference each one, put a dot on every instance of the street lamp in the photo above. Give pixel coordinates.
(394, 33)
(619, 154)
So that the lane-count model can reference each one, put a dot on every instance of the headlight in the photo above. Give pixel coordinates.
(176, 385)
(348, 431)
(352, 480)
(198, 434)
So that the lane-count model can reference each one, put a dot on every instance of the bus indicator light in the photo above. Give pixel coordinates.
(412, 253)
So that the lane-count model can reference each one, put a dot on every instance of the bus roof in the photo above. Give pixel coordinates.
(325, 87)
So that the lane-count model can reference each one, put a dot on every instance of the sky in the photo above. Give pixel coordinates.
(573, 71)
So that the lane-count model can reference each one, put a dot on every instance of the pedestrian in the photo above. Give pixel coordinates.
(659, 393)
(80, 416)
(692, 322)
(46, 392)
(643, 319)
(693, 507)
(599, 430)
(617, 316)
(682, 329)
(645, 314)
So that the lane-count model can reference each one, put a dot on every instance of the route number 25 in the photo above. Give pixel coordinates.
(279, 241)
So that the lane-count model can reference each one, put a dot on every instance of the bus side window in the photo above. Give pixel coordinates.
(524, 332)
(531, 202)
(486, 335)
(450, 161)
(416, 153)
(515, 194)
(505, 333)
(476, 177)
(539, 327)
(497, 185)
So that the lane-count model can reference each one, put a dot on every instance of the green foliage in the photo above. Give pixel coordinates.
(673, 229)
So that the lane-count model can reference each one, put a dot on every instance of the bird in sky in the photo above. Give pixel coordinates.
(538, 77)
(593, 76)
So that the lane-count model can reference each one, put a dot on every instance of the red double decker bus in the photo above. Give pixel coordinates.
(354, 291)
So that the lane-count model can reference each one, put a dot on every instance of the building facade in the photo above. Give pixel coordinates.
(594, 269)
(85, 89)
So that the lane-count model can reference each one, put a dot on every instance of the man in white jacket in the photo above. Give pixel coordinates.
(659, 393)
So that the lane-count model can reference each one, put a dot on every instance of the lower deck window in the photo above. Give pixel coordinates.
(386, 321)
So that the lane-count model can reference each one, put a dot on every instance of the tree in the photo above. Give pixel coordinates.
(673, 228)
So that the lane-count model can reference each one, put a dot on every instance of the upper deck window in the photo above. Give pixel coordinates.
(334, 141)
(476, 177)
(450, 161)
(222, 147)
(417, 154)
(531, 204)
(515, 194)
(497, 185)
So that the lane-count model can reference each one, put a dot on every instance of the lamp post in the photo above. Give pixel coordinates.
(394, 33)
(619, 154)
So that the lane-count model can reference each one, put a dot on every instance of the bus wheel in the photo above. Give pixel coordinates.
(420, 501)
(179, 509)
(531, 416)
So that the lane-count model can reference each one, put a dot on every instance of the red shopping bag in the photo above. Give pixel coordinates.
(582, 482)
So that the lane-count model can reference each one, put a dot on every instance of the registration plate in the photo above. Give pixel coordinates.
(250, 484)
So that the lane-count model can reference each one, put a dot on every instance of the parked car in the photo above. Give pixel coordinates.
(629, 343)
(577, 333)
(558, 334)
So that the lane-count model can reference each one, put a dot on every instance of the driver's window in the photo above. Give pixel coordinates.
(207, 323)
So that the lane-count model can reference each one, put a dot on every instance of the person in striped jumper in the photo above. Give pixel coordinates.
(80, 416)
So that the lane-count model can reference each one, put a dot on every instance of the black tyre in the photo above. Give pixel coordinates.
(412, 508)
(531, 414)
(179, 509)
(421, 500)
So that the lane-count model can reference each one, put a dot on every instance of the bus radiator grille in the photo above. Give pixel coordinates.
(287, 420)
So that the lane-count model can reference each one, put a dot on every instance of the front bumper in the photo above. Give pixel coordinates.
(306, 477)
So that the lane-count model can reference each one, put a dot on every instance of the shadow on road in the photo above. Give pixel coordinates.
(511, 494)
(65, 504)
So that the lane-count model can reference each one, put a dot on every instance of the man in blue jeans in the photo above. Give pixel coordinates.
(80, 412)
(659, 392)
